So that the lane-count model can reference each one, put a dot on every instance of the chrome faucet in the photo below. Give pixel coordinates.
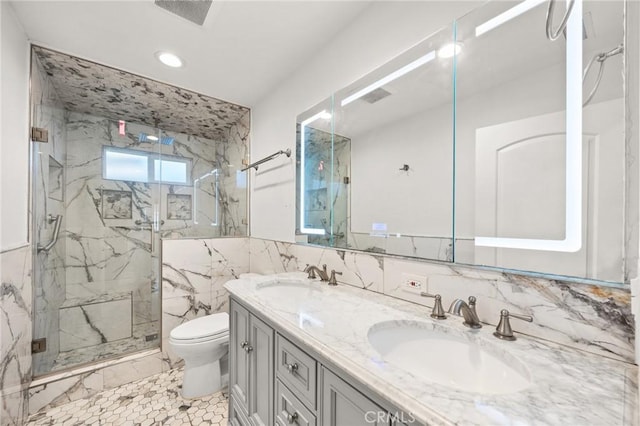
(468, 311)
(311, 270)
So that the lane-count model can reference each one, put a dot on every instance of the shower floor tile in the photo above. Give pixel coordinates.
(155, 400)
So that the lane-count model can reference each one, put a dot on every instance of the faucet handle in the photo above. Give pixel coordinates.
(438, 311)
(311, 271)
(332, 279)
(503, 330)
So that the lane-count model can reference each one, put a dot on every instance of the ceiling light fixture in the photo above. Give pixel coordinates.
(152, 138)
(449, 50)
(169, 59)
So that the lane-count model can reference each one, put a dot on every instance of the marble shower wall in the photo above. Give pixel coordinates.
(194, 272)
(15, 334)
(49, 161)
(591, 318)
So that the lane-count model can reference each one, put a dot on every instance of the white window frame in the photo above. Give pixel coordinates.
(151, 158)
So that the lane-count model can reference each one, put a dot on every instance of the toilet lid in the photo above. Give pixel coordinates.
(209, 326)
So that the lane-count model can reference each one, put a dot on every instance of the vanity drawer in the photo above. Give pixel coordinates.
(297, 370)
(290, 410)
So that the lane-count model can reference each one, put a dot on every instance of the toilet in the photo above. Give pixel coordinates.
(202, 343)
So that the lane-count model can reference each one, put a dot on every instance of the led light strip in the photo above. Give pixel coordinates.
(573, 191)
(506, 16)
(303, 228)
(389, 78)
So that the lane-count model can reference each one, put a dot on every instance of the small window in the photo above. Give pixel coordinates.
(137, 166)
(171, 171)
(122, 165)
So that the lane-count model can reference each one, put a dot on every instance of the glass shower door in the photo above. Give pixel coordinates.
(97, 288)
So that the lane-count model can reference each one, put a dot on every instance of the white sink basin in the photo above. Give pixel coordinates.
(292, 290)
(448, 360)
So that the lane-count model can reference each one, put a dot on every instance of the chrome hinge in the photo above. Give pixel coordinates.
(39, 134)
(38, 345)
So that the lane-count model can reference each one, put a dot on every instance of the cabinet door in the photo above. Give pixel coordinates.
(238, 357)
(260, 373)
(343, 405)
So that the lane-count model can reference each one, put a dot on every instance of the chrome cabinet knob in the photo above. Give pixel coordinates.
(248, 348)
(292, 368)
(244, 344)
(292, 418)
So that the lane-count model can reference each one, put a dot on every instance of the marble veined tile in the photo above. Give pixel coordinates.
(95, 323)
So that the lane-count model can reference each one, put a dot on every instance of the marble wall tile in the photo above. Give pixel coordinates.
(361, 270)
(90, 87)
(594, 319)
(186, 267)
(591, 318)
(92, 324)
(15, 408)
(15, 333)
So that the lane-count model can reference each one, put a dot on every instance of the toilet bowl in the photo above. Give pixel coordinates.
(201, 342)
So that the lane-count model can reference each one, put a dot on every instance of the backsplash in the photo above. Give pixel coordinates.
(591, 318)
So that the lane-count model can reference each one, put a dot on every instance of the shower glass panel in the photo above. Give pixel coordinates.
(97, 288)
(539, 152)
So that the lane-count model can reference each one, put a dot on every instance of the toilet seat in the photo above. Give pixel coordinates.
(210, 327)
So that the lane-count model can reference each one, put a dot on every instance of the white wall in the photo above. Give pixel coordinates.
(370, 41)
(14, 122)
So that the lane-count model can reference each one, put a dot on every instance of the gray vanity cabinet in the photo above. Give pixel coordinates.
(251, 373)
(344, 405)
(275, 382)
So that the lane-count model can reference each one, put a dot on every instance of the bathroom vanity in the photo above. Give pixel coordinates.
(305, 353)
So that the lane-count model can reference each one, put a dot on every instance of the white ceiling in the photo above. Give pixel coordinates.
(241, 53)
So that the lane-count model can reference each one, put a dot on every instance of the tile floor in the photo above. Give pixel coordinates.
(155, 400)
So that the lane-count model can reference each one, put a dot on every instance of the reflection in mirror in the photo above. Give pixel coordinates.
(376, 176)
(533, 129)
(539, 177)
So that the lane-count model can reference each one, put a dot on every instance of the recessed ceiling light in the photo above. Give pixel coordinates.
(169, 59)
(449, 50)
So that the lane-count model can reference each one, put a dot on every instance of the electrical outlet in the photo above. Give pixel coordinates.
(414, 283)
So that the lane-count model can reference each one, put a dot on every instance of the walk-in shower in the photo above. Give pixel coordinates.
(121, 162)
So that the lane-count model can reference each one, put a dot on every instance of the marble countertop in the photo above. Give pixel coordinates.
(569, 387)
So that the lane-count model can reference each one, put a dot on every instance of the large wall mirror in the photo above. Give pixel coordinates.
(498, 141)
